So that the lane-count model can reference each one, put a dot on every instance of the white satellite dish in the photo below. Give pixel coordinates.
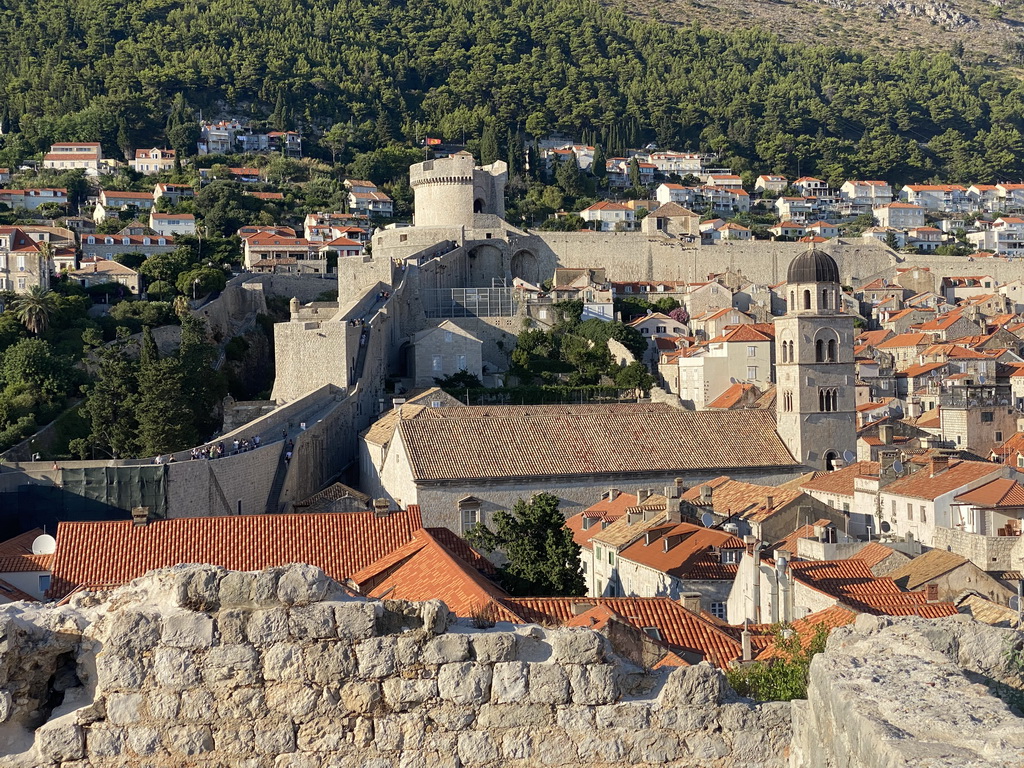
(849, 456)
(897, 466)
(707, 519)
(44, 545)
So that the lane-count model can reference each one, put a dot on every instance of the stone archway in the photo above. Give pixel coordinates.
(478, 205)
(526, 266)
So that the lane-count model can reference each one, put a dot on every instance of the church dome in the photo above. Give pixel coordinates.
(813, 266)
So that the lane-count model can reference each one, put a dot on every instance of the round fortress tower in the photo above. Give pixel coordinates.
(450, 190)
(443, 191)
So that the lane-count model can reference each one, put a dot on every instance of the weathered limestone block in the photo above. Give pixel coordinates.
(592, 684)
(400, 694)
(145, 741)
(176, 668)
(134, 630)
(124, 708)
(268, 626)
(492, 647)
(115, 672)
(548, 684)
(236, 589)
(231, 625)
(518, 744)
(322, 734)
(185, 629)
(631, 715)
(312, 622)
(60, 740)
(361, 697)
(241, 703)
(303, 584)
(198, 587)
(445, 649)
(477, 748)
(188, 740)
(198, 705)
(400, 732)
(376, 657)
(464, 683)
(602, 747)
(294, 700)
(274, 736)
(232, 738)
(355, 620)
(653, 747)
(700, 685)
(556, 749)
(232, 665)
(6, 706)
(105, 740)
(163, 705)
(514, 716)
(577, 646)
(284, 661)
(329, 663)
(509, 683)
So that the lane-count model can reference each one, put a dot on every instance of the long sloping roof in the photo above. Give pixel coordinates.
(110, 553)
(528, 441)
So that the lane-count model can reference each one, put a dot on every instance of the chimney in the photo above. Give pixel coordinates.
(140, 515)
(613, 494)
(706, 494)
(671, 491)
(751, 544)
(939, 464)
(581, 608)
(641, 494)
(745, 640)
(673, 511)
(931, 593)
(381, 507)
(690, 601)
(769, 503)
(885, 434)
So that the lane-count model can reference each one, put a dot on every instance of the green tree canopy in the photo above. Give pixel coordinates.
(542, 557)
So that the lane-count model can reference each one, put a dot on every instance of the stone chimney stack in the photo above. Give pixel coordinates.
(690, 601)
(140, 515)
(613, 494)
(885, 433)
(939, 464)
(381, 507)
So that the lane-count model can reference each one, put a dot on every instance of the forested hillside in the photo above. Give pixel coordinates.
(88, 69)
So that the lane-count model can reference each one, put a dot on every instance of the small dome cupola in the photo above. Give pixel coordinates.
(813, 266)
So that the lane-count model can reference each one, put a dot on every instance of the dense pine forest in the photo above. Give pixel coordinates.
(390, 71)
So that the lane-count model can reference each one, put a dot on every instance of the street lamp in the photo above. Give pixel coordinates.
(195, 289)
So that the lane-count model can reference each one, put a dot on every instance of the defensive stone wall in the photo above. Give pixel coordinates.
(199, 666)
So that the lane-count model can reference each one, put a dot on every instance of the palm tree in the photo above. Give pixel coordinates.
(34, 308)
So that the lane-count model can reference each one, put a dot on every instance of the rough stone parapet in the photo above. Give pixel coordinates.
(199, 666)
(910, 692)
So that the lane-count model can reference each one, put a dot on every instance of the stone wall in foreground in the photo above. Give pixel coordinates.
(197, 666)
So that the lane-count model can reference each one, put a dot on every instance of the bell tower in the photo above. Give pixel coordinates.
(815, 371)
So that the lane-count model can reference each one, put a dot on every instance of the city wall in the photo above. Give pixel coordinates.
(199, 666)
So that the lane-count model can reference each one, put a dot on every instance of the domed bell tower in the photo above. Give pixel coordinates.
(815, 371)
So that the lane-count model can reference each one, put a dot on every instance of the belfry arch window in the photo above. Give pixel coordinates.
(828, 399)
(825, 347)
(807, 299)
(787, 401)
(824, 299)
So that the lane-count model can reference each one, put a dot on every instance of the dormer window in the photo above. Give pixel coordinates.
(126, 241)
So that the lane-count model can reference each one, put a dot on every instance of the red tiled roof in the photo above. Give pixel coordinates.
(678, 627)
(732, 397)
(16, 554)
(830, 618)
(685, 551)
(427, 568)
(852, 583)
(112, 553)
(872, 553)
(1002, 492)
(746, 500)
(923, 485)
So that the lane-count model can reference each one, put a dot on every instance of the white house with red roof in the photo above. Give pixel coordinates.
(273, 252)
(22, 262)
(1011, 197)
(743, 354)
(770, 182)
(151, 161)
(862, 196)
(172, 223)
(796, 209)
(676, 193)
(900, 215)
(110, 202)
(71, 155)
(947, 198)
(609, 216)
(1005, 237)
(109, 246)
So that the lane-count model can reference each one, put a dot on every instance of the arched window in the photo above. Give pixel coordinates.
(819, 351)
(787, 401)
(830, 460)
(807, 299)
(830, 354)
(828, 400)
(824, 299)
(792, 300)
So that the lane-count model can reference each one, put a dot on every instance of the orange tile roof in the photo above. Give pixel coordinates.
(112, 553)
(732, 396)
(742, 333)
(789, 543)
(872, 553)
(874, 338)
(907, 340)
(852, 583)
(1002, 492)
(16, 554)
(927, 567)
(464, 442)
(609, 510)
(735, 498)
(426, 569)
(678, 627)
(923, 485)
(841, 482)
(685, 551)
